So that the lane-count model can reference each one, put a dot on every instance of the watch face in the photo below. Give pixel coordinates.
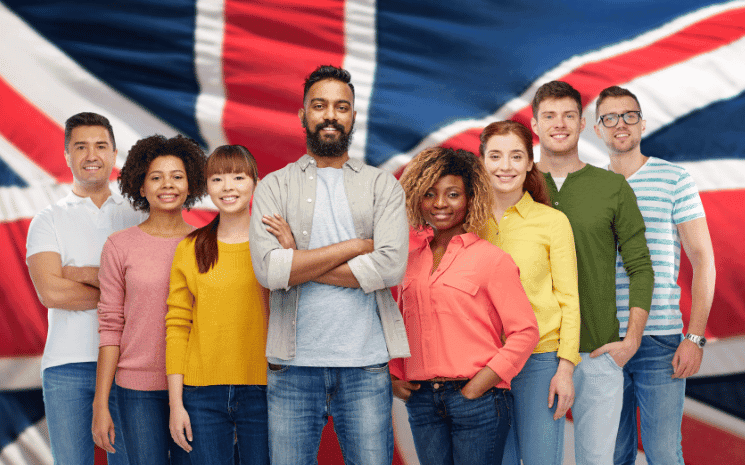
(702, 342)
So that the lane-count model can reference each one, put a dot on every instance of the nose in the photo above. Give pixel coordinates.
(440, 201)
(503, 163)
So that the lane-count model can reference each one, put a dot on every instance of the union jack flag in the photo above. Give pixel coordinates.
(425, 73)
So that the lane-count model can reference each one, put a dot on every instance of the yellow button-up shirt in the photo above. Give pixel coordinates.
(540, 241)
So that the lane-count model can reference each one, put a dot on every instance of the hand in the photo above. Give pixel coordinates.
(687, 359)
(402, 389)
(621, 351)
(281, 230)
(103, 429)
(365, 246)
(180, 426)
(562, 385)
(82, 274)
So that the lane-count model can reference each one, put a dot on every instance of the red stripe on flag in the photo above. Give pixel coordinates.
(699, 38)
(33, 133)
(285, 41)
(706, 444)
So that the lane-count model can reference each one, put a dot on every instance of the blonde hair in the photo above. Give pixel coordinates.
(429, 166)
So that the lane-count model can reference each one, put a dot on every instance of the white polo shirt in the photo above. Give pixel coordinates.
(77, 230)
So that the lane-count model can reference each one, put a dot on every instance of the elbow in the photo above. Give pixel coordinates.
(50, 299)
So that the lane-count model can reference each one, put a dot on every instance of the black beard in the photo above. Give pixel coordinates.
(322, 148)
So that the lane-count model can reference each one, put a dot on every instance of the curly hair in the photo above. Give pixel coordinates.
(224, 159)
(534, 181)
(556, 90)
(132, 176)
(429, 166)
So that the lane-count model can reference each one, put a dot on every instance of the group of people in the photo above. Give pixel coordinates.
(523, 289)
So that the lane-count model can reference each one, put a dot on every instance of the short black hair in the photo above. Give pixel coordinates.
(614, 91)
(327, 72)
(87, 119)
(555, 90)
(132, 177)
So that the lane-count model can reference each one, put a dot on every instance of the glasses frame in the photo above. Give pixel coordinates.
(621, 116)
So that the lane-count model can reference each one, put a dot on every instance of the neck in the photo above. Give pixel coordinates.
(504, 200)
(98, 193)
(233, 228)
(560, 165)
(329, 162)
(627, 163)
(442, 239)
(165, 223)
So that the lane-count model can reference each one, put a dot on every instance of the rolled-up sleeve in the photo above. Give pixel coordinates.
(272, 264)
(386, 265)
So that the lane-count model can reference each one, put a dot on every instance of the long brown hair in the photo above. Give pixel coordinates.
(534, 181)
(224, 160)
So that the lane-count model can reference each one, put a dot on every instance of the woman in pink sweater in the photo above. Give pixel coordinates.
(160, 176)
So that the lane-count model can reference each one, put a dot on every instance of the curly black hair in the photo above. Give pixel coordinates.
(132, 176)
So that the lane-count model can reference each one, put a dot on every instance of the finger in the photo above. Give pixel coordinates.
(413, 386)
(680, 369)
(598, 352)
(561, 409)
(551, 396)
(188, 432)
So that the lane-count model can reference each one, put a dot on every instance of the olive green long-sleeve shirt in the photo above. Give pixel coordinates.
(602, 209)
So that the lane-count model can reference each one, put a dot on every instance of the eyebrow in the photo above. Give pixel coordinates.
(319, 99)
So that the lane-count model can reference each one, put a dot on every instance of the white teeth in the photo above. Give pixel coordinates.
(229, 199)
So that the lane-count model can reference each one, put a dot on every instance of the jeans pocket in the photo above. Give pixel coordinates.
(669, 342)
(612, 361)
(377, 368)
(188, 388)
(274, 369)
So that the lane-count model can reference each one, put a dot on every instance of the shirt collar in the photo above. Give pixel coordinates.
(421, 237)
(306, 160)
(524, 205)
(115, 197)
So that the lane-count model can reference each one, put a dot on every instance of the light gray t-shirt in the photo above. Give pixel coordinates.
(336, 326)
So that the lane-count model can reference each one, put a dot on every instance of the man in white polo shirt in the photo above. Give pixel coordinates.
(63, 252)
(654, 378)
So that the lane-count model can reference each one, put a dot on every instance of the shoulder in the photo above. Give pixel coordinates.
(601, 175)
(125, 236)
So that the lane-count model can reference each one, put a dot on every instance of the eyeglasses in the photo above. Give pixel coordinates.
(611, 119)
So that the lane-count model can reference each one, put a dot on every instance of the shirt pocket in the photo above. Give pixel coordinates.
(456, 300)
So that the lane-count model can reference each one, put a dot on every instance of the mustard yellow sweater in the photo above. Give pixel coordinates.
(216, 322)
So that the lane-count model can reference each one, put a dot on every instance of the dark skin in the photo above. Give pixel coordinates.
(445, 206)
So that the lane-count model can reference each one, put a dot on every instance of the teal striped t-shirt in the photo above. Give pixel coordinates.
(667, 196)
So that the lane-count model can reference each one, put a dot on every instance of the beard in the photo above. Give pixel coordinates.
(323, 148)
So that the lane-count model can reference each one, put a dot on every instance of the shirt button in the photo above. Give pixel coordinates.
(436, 385)
(556, 203)
(310, 200)
(305, 233)
(310, 177)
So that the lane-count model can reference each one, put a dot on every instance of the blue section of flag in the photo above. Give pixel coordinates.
(141, 48)
(713, 132)
(18, 411)
(438, 62)
(8, 177)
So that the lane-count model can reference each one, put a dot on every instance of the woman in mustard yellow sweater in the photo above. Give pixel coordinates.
(216, 326)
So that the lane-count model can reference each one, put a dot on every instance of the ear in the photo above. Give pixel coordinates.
(530, 165)
(301, 115)
(644, 125)
(142, 191)
(597, 131)
(534, 125)
(582, 124)
(68, 159)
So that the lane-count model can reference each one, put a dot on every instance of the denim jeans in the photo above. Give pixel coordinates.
(535, 436)
(649, 386)
(449, 429)
(218, 415)
(300, 400)
(598, 397)
(145, 416)
(68, 403)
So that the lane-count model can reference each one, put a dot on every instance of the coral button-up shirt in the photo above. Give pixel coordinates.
(455, 317)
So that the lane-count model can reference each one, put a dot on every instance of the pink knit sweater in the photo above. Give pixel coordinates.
(134, 275)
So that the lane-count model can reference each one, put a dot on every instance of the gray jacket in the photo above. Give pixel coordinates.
(378, 208)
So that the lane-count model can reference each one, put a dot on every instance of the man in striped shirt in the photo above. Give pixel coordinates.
(654, 378)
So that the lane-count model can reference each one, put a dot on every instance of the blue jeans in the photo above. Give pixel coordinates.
(301, 399)
(598, 398)
(649, 386)
(219, 414)
(535, 435)
(449, 429)
(68, 402)
(145, 416)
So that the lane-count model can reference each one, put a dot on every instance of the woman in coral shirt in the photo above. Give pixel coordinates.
(539, 239)
(470, 325)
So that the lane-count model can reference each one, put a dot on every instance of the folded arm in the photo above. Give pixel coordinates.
(65, 288)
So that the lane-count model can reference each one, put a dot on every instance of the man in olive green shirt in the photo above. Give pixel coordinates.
(602, 209)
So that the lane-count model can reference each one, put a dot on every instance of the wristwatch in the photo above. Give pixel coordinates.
(700, 341)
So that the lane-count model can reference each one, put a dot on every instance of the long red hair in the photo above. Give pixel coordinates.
(534, 181)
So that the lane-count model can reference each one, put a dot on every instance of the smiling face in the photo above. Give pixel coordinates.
(558, 125)
(166, 185)
(231, 192)
(507, 162)
(90, 156)
(328, 118)
(445, 205)
(623, 137)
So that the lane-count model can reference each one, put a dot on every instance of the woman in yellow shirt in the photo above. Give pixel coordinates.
(540, 241)
(216, 326)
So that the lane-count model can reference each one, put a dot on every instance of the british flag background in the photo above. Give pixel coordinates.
(426, 72)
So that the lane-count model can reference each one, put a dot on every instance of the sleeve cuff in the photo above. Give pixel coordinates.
(280, 267)
(363, 269)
